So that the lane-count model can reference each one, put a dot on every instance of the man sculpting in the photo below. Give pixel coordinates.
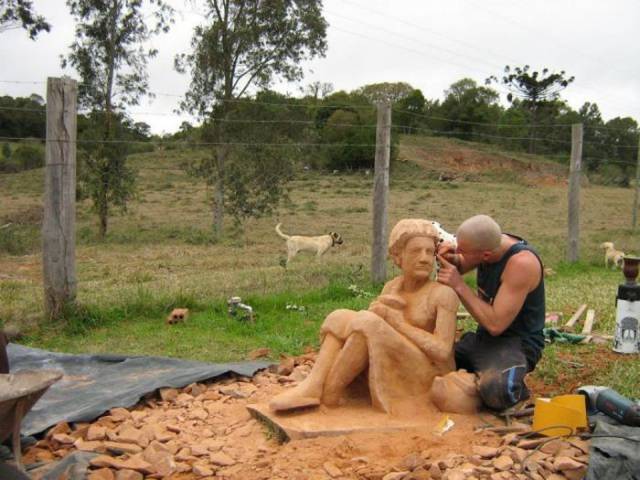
(509, 308)
(403, 341)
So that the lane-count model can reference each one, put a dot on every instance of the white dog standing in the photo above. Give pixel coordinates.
(300, 243)
(612, 256)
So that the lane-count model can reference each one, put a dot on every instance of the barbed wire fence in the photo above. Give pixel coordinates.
(60, 167)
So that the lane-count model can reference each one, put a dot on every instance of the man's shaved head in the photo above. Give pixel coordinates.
(481, 231)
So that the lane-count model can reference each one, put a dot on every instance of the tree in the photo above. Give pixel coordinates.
(535, 89)
(621, 141)
(465, 105)
(20, 14)
(594, 148)
(246, 45)
(111, 59)
(409, 110)
(318, 90)
(391, 92)
(347, 121)
(22, 117)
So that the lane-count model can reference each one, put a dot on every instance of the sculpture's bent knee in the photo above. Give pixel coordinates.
(337, 323)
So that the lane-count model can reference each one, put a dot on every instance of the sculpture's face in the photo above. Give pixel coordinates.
(417, 257)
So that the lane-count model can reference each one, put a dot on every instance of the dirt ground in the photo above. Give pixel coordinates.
(204, 431)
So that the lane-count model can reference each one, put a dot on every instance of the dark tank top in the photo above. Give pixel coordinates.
(529, 322)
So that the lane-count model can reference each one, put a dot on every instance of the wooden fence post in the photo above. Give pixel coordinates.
(381, 193)
(573, 245)
(58, 225)
(634, 218)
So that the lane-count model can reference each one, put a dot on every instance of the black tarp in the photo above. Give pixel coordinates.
(615, 451)
(93, 384)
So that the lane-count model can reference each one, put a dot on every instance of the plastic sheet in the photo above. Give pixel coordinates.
(93, 384)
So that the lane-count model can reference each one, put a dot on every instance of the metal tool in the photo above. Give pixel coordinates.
(611, 403)
(627, 335)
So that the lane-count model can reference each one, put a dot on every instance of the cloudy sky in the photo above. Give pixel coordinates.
(427, 43)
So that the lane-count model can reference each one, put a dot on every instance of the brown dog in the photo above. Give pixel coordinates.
(178, 315)
(611, 255)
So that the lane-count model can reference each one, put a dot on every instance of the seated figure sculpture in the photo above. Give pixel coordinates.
(403, 341)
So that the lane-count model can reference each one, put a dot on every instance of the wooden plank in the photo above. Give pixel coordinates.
(576, 316)
(588, 321)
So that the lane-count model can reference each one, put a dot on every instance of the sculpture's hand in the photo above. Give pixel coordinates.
(394, 301)
(392, 316)
(378, 308)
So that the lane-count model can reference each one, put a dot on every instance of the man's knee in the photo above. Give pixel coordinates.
(501, 389)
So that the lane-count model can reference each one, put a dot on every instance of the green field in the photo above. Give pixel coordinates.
(161, 255)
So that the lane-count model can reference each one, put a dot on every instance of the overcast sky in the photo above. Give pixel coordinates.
(427, 43)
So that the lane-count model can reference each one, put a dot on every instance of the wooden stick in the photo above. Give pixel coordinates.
(576, 316)
(509, 429)
(588, 321)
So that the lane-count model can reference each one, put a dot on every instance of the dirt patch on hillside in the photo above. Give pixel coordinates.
(467, 163)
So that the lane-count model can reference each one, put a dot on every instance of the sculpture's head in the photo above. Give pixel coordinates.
(412, 246)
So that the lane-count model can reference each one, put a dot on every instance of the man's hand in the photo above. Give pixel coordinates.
(449, 275)
(448, 251)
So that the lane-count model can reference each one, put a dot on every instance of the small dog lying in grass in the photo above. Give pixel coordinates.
(178, 315)
(318, 245)
(611, 255)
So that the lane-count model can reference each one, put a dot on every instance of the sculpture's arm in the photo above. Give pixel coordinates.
(439, 344)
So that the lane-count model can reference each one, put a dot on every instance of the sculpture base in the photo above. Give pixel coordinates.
(355, 417)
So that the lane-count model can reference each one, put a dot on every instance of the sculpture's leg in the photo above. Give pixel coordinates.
(309, 391)
(351, 361)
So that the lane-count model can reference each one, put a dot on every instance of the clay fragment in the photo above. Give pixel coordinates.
(259, 353)
(566, 463)
(101, 474)
(202, 471)
(411, 462)
(63, 439)
(119, 448)
(128, 475)
(435, 471)
(221, 458)
(62, 427)
(168, 394)
(485, 452)
(120, 414)
(96, 432)
(332, 470)
(132, 463)
(388, 476)
(503, 463)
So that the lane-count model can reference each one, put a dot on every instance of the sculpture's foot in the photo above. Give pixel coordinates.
(297, 397)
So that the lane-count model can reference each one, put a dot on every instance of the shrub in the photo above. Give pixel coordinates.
(28, 156)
